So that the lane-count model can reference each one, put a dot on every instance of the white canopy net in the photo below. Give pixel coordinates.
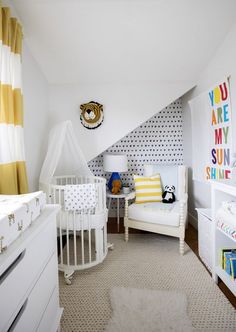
(64, 156)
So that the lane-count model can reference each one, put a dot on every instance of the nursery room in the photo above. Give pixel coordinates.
(117, 165)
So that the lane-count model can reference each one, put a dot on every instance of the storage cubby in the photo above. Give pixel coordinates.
(222, 191)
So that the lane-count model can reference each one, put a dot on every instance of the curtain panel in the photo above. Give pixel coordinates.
(13, 177)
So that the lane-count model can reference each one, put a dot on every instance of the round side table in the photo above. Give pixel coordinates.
(111, 196)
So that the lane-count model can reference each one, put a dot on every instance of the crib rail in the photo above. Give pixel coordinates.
(57, 188)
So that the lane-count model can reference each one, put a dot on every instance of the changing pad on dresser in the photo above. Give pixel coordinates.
(16, 214)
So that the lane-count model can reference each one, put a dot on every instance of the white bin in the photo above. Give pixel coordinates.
(205, 237)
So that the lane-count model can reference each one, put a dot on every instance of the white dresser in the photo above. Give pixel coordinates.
(29, 294)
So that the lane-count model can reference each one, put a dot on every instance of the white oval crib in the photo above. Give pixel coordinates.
(82, 222)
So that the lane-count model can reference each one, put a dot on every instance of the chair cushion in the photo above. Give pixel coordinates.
(168, 173)
(155, 213)
(147, 189)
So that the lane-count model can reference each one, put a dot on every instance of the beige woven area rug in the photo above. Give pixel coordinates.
(147, 261)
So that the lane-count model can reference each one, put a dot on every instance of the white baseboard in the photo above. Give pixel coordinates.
(193, 221)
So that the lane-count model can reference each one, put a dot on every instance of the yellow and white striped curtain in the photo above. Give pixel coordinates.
(13, 178)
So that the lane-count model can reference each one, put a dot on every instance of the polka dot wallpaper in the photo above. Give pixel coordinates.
(157, 141)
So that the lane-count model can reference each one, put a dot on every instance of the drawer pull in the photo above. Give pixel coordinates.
(18, 316)
(10, 268)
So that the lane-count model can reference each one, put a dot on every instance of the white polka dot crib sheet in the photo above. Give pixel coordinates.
(80, 197)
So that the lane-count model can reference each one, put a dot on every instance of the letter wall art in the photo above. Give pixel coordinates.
(220, 132)
(211, 119)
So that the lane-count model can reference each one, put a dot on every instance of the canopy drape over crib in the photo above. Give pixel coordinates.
(13, 178)
(64, 155)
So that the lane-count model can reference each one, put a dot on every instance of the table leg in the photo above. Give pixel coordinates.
(118, 214)
(109, 203)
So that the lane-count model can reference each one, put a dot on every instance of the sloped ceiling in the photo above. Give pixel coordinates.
(92, 41)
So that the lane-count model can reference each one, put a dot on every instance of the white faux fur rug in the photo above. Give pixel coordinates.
(145, 310)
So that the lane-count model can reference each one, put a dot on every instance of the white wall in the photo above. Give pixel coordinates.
(221, 66)
(126, 106)
(35, 91)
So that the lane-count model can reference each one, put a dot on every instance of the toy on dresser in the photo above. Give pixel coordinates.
(16, 214)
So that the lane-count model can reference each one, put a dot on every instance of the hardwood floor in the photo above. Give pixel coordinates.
(191, 238)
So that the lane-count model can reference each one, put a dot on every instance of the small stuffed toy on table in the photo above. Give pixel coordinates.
(168, 196)
(115, 184)
(116, 187)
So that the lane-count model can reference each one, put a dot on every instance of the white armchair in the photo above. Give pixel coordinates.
(162, 218)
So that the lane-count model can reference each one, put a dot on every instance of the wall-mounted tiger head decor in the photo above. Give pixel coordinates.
(91, 115)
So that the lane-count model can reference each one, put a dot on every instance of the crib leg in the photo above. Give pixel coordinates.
(68, 276)
(181, 246)
(126, 234)
(110, 246)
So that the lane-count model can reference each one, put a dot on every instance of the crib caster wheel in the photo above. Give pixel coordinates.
(68, 281)
(68, 277)
(110, 246)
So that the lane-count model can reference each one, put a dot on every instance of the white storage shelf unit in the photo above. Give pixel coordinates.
(222, 191)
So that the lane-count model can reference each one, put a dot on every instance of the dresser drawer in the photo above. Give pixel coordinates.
(18, 279)
(52, 315)
(32, 310)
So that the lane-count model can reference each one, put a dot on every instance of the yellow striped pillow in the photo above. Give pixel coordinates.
(147, 189)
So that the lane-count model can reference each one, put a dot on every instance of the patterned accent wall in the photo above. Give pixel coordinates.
(159, 140)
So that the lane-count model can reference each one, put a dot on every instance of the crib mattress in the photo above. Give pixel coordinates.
(79, 222)
(16, 214)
